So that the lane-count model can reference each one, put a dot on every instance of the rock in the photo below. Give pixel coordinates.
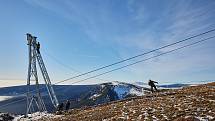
(6, 117)
(189, 118)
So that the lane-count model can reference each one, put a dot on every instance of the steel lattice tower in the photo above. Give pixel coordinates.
(34, 97)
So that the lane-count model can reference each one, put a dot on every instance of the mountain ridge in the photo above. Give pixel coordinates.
(79, 95)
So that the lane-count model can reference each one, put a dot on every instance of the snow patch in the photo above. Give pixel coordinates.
(115, 83)
(123, 89)
(206, 118)
(95, 96)
(136, 92)
(2, 98)
(36, 116)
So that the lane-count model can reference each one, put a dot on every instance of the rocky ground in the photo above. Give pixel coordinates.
(6, 117)
(192, 103)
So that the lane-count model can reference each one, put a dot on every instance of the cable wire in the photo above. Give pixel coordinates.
(194, 43)
(179, 48)
(136, 56)
(165, 46)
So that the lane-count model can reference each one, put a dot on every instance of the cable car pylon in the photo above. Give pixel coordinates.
(34, 98)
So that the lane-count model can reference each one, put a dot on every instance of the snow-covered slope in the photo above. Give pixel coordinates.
(111, 91)
(124, 90)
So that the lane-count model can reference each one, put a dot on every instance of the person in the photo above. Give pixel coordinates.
(67, 105)
(152, 84)
(38, 47)
(60, 107)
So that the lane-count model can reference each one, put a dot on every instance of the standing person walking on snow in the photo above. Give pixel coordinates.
(152, 84)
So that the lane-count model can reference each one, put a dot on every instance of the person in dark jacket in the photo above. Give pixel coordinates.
(60, 107)
(67, 105)
(152, 84)
(38, 47)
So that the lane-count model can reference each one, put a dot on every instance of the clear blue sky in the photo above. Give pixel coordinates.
(84, 35)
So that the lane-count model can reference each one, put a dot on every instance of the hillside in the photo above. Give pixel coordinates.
(192, 103)
(79, 95)
(63, 92)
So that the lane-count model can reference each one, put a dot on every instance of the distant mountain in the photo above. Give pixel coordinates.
(63, 93)
(79, 95)
(142, 84)
(179, 85)
(174, 85)
(112, 91)
(107, 92)
(124, 90)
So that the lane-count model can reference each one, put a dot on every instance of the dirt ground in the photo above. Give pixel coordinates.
(194, 103)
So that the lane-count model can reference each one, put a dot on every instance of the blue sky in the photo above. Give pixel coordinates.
(83, 35)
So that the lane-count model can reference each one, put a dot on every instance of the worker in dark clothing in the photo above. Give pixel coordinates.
(152, 84)
(67, 105)
(38, 47)
(60, 107)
